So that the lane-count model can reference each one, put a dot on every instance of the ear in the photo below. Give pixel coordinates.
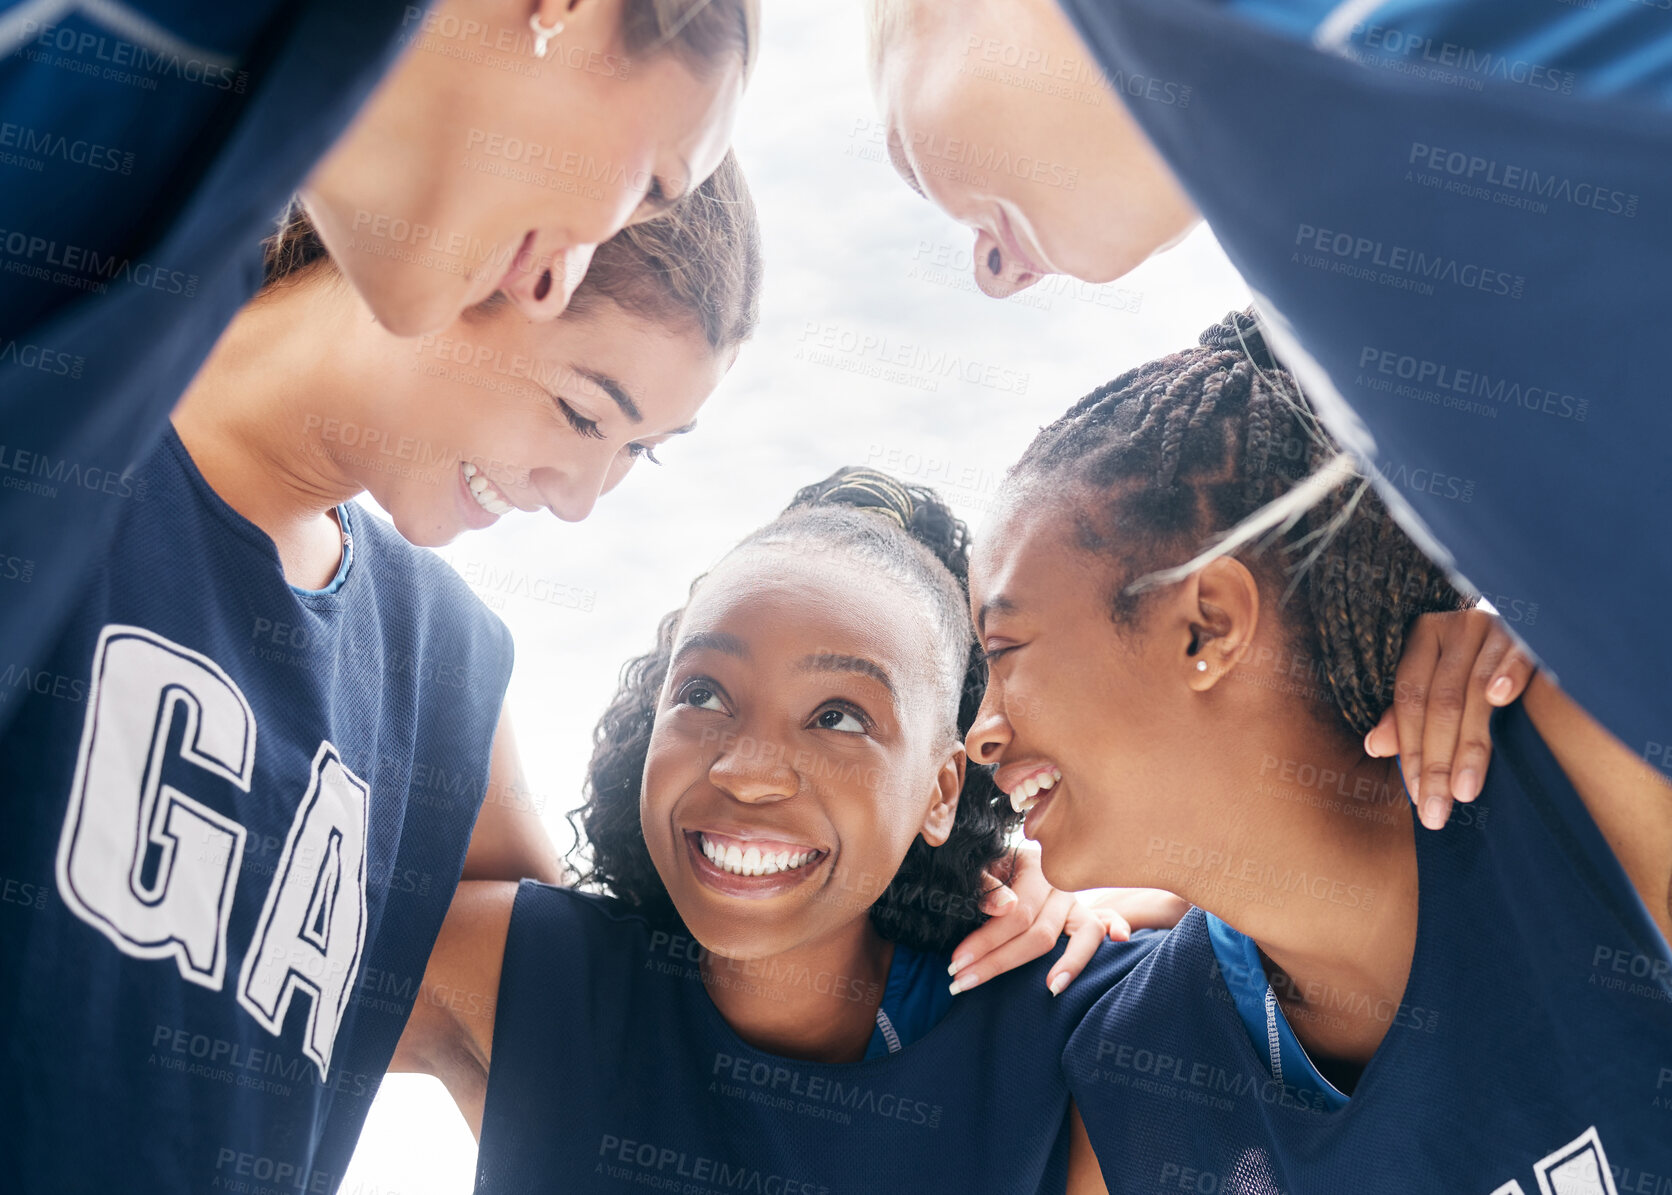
(943, 810)
(580, 16)
(1220, 616)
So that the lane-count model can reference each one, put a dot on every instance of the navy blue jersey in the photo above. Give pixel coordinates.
(146, 148)
(1467, 279)
(613, 1071)
(1531, 1053)
(234, 814)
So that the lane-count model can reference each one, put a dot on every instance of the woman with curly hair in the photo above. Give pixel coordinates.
(786, 846)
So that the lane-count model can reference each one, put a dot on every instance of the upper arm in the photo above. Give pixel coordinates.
(509, 841)
(449, 1033)
(1085, 1176)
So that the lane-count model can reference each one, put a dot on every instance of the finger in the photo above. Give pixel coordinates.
(1514, 673)
(1448, 693)
(997, 898)
(1026, 882)
(1474, 730)
(1383, 740)
(1153, 908)
(1115, 927)
(1083, 942)
(988, 937)
(1410, 697)
(1034, 940)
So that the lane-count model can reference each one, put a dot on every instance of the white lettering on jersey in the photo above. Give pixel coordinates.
(122, 816)
(1578, 1168)
(312, 929)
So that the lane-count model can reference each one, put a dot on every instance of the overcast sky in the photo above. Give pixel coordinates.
(871, 331)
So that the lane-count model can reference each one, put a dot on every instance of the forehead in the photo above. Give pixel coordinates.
(1028, 555)
(794, 599)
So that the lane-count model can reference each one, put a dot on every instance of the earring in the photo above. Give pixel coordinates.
(1201, 665)
(543, 33)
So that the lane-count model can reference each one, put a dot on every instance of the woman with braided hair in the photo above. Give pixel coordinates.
(1192, 617)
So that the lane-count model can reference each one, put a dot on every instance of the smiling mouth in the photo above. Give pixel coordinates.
(739, 858)
(1029, 792)
(488, 496)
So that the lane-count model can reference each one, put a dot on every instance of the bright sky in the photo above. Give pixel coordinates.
(871, 329)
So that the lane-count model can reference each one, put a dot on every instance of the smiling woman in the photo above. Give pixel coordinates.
(498, 412)
(785, 847)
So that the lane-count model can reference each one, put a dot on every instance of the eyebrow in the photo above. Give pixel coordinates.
(827, 661)
(616, 391)
(996, 605)
(718, 641)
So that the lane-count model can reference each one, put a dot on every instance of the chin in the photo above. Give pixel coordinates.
(424, 533)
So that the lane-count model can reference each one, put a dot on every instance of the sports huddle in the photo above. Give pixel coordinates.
(1222, 816)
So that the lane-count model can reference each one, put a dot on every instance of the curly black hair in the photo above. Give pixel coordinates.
(1173, 454)
(910, 534)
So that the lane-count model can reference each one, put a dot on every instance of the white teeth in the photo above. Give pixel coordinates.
(487, 495)
(1026, 794)
(753, 861)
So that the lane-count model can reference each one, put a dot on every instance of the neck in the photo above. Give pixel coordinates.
(818, 1001)
(1317, 863)
(281, 369)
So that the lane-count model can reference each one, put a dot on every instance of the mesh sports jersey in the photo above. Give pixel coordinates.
(613, 1071)
(1593, 47)
(234, 817)
(1531, 1053)
(146, 148)
(1468, 283)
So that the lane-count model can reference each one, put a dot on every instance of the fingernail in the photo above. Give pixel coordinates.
(1058, 982)
(1368, 749)
(1465, 786)
(1499, 689)
(1434, 812)
(959, 962)
(964, 984)
(1003, 899)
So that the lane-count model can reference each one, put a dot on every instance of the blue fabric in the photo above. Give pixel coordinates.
(1239, 964)
(343, 564)
(612, 1070)
(1531, 1041)
(281, 737)
(915, 998)
(1604, 47)
(135, 189)
(1470, 285)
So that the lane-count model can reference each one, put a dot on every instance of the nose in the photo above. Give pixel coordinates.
(571, 491)
(753, 771)
(990, 734)
(544, 276)
(996, 274)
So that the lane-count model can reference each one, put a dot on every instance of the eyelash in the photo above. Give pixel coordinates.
(846, 708)
(987, 657)
(644, 451)
(586, 427)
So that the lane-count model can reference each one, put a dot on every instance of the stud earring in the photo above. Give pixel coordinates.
(1201, 665)
(543, 33)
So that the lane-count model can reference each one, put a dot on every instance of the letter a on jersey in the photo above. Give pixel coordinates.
(313, 927)
(149, 866)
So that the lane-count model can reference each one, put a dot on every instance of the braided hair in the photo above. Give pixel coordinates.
(1173, 454)
(897, 534)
